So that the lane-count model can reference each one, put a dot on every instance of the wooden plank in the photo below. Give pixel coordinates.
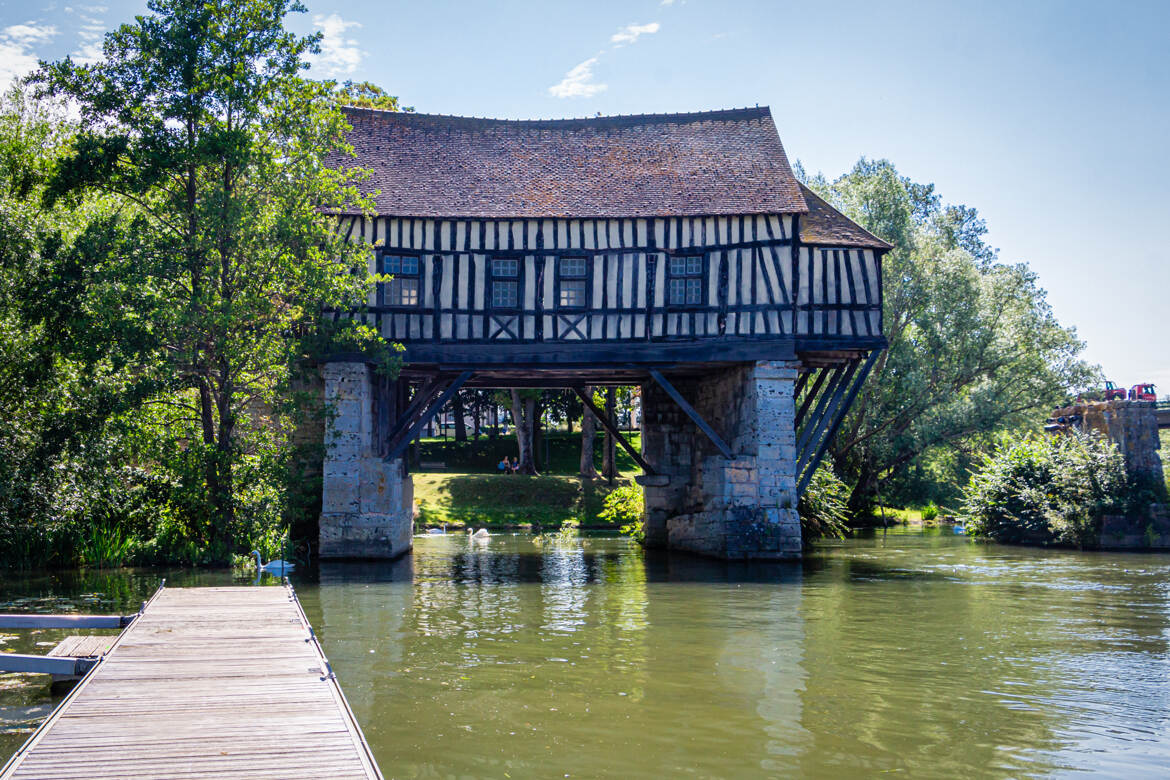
(62, 666)
(65, 621)
(243, 683)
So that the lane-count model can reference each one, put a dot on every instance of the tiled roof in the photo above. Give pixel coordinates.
(823, 224)
(717, 162)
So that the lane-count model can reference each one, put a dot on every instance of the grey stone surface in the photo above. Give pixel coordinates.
(1132, 425)
(742, 508)
(366, 503)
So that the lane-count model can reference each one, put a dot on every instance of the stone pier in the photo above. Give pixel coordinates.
(702, 502)
(1131, 425)
(366, 503)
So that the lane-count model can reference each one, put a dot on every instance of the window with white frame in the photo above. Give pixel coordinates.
(571, 278)
(505, 283)
(685, 282)
(403, 289)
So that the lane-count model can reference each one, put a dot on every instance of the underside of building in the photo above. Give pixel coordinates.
(675, 252)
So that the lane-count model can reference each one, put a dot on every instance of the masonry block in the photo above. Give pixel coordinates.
(739, 508)
(367, 504)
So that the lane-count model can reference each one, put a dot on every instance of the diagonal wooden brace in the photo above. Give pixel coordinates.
(398, 445)
(603, 418)
(689, 410)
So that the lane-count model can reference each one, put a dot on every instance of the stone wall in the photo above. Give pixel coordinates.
(1132, 425)
(740, 508)
(366, 503)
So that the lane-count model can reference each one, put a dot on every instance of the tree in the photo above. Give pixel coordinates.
(524, 420)
(364, 94)
(588, 436)
(200, 128)
(973, 345)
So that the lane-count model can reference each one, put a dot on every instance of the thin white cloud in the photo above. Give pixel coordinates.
(667, 2)
(17, 57)
(578, 82)
(339, 55)
(632, 32)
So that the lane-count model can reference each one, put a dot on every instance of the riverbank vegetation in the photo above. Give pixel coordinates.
(166, 258)
(1037, 489)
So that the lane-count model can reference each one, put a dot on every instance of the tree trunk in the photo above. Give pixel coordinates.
(523, 410)
(538, 434)
(588, 436)
(609, 461)
(460, 423)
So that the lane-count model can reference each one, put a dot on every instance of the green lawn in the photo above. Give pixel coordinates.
(497, 500)
(470, 491)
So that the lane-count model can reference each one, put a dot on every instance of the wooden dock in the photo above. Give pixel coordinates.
(206, 682)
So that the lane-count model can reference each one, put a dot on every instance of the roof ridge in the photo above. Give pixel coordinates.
(687, 116)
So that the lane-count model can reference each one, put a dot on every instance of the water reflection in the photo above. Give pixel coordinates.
(924, 655)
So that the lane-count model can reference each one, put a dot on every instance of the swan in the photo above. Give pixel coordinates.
(277, 567)
(480, 534)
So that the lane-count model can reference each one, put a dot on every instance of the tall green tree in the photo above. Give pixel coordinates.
(974, 346)
(201, 129)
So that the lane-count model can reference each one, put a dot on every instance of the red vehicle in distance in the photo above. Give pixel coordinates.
(1113, 392)
(1144, 392)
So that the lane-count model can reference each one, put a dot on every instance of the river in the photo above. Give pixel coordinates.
(922, 654)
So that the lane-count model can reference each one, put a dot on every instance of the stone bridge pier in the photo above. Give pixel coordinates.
(704, 502)
(367, 504)
(722, 447)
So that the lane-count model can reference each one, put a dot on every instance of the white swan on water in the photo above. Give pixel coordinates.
(277, 567)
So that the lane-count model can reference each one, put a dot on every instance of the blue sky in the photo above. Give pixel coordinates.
(1051, 118)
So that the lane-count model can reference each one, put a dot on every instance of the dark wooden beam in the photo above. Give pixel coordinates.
(689, 410)
(603, 418)
(822, 374)
(425, 392)
(805, 474)
(397, 446)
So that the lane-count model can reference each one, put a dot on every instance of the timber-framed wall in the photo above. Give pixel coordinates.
(676, 252)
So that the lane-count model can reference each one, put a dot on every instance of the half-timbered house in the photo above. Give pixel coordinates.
(676, 251)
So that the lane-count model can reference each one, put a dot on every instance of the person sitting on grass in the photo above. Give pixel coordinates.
(515, 466)
(504, 466)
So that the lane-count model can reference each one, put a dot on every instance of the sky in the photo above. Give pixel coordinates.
(1051, 118)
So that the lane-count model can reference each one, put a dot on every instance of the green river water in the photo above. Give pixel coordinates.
(924, 655)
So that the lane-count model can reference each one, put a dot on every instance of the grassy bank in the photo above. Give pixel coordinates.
(468, 490)
(491, 500)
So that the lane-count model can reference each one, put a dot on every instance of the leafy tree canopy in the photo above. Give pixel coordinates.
(974, 346)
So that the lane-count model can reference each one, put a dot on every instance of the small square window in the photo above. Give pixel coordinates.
(686, 281)
(402, 291)
(504, 295)
(400, 264)
(505, 266)
(571, 266)
(572, 294)
(403, 288)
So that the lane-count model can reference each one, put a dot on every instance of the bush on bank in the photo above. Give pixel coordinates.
(1047, 489)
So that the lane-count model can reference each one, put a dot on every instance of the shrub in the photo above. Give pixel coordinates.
(823, 507)
(624, 506)
(930, 512)
(1045, 489)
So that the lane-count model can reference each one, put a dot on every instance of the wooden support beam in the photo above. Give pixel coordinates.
(63, 666)
(689, 410)
(603, 418)
(810, 443)
(425, 392)
(822, 374)
(804, 476)
(818, 412)
(398, 446)
(65, 621)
